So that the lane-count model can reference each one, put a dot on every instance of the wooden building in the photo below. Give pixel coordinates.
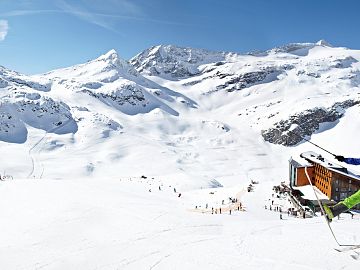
(333, 180)
(297, 174)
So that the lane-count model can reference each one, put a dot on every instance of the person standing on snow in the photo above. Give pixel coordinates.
(349, 202)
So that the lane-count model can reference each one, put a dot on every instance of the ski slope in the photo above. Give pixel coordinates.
(77, 199)
(119, 224)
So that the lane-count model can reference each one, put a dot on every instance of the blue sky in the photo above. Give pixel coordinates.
(41, 35)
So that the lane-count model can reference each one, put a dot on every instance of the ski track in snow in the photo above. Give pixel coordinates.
(38, 144)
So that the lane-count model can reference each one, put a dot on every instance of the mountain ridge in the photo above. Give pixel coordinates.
(197, 101)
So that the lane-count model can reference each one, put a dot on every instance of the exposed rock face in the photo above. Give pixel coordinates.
(247, 79)
(129, 94)
(21, 109)
(307, 123)
(17, 80)
(173, 61)
(238, 81)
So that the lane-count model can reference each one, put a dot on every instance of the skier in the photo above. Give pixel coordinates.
(349, 202)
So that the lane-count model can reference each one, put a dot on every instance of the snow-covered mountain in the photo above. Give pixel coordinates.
(24, 101)
(46, 101)
(144, 149)
(178, 95)
(319, 81)
(116, 83)
(175, 62)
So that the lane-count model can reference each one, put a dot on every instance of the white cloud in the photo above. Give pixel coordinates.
(83, 14)
(129, 11)
(4, 27)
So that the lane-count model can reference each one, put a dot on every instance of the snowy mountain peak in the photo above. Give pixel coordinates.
(112, 59)
(298, 48)
(174, 61)
(323, 42)
(112, 54)
(107, 67)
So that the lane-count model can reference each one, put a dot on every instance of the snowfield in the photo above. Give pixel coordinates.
(117, 165)
(113, 224)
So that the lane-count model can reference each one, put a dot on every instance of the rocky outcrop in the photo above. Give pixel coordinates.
(21, 109)
(128, 94)
(307, 123)
(247, 79)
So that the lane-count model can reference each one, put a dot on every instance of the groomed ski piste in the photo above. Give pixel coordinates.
(112, 188)
(113, 224)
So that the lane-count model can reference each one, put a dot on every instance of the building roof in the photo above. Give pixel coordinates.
(316, 158)
(308, 192)
(297, 164)
(313, 157)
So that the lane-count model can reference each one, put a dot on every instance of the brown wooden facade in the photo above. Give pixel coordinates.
(334, 180)
(323, 178)
(302, 179)
(297, 174)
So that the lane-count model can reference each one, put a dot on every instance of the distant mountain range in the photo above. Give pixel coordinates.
(308, 84)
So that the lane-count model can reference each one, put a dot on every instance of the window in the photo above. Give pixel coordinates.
(343, 195)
